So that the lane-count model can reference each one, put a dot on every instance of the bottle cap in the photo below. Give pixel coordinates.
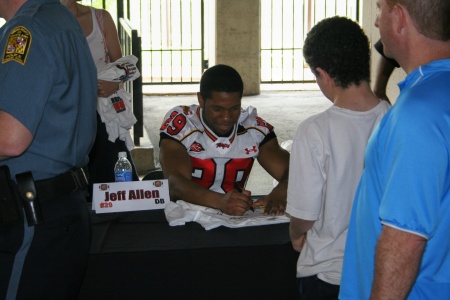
(122, 154)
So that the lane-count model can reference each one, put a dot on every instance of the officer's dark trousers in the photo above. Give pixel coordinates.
(49, 260)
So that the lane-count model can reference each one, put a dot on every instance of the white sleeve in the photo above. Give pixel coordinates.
(307, 173)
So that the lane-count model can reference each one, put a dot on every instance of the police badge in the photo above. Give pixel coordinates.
(17, 47)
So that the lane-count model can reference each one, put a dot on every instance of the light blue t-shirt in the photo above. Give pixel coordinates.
(406, 185)
(48, 82)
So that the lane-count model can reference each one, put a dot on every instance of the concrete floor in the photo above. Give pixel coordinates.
(283, 109)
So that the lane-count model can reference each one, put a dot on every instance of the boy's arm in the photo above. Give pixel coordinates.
(275, 160)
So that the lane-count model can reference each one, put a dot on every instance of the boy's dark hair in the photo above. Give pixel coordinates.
(339, 46)
(220, 78)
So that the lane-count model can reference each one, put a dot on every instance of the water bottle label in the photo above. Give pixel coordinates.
(123, 176)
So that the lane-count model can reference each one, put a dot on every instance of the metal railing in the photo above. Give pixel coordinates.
(284, 25)
(169, 41)
(131, 45)
(173, 46)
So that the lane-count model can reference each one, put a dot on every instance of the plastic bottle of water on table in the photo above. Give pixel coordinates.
(122, 169)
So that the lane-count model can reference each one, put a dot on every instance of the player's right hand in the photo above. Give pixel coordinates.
(235, 203)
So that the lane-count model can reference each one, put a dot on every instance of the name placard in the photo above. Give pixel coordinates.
(130, 196)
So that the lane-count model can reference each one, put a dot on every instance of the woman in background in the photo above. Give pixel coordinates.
(101, 34)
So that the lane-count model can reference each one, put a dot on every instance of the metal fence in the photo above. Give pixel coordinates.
(174, 41)
(284, 25)
(131, 45)
(176, 49)
(172, 32)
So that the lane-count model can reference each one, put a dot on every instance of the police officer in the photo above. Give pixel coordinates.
(47, 127)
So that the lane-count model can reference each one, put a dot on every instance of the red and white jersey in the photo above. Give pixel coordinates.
(217, 162)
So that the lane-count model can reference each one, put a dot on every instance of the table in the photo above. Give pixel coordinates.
(137, 255)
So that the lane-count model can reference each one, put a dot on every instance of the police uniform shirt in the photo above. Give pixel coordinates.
(217, 162)
(48, 83)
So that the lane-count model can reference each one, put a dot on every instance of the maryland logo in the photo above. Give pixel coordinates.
(263, 123)
(17, 46)
(196, 147)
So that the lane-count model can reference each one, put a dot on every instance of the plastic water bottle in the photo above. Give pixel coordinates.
(122, 169)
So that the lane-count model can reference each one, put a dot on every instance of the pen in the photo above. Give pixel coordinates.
(238, 188)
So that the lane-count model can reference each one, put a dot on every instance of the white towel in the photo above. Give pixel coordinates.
(181, 212)
(116, 111)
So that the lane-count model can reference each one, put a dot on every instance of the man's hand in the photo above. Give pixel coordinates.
(234, 203)
(273, 206)
(275, 202)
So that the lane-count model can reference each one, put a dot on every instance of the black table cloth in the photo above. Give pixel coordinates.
(137, 255)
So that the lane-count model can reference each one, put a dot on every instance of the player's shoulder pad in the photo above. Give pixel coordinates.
(183, 109)
(249, 119)
(181, 121)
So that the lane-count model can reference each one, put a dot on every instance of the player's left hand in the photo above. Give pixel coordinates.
(273, 206)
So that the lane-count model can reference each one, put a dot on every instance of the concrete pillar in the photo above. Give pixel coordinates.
(238, 40)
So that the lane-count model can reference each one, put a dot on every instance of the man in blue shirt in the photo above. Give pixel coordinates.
(398, 242)
(47, 127)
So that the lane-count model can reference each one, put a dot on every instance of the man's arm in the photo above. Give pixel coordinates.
(382, 75)
(397, 261)
(297, 232)
(275, 160)
(385, 67)
(177, 168)
(14, 136)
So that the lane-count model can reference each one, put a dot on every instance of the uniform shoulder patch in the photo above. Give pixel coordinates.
(17, 46)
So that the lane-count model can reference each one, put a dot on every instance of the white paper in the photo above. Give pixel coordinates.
(181, 212)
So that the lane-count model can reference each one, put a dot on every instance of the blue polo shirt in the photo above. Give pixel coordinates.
(406, 185)
(48, 82)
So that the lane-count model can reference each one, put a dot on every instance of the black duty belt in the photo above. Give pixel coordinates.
(29, 194)
(61, 185)
(34, 193)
